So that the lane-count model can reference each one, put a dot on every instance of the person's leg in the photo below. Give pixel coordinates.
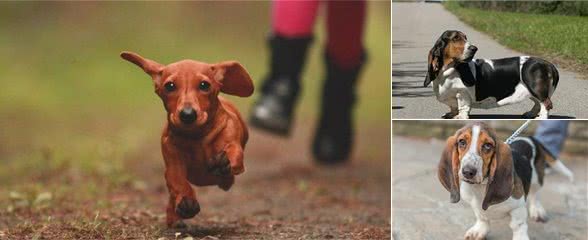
(344, 57)
(292, 23)
(293, 19)
(552, 134)
(345, 27)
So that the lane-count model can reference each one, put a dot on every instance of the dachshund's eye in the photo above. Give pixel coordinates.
(204, 86)
(462, 143)
(169, 86)
(487, 147)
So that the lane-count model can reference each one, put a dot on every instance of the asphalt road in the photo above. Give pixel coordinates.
(421, 207)
(416, 27)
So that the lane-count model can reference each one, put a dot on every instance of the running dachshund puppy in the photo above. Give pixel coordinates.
(204, 137)
(463, 83)
(495, 178)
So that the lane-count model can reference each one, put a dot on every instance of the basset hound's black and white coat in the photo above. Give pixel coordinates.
(462, 82)
(495, 178)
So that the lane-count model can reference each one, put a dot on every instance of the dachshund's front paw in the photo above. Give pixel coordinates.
(179, 225)
(220, 165)
(187, 208)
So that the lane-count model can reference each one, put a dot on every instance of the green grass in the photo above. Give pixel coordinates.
(563, 39)
(77, 120)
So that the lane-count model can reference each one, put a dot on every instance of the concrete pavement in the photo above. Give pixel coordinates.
(421, 207)
(416, 27)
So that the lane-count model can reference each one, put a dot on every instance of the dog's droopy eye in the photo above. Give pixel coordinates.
(487, 147)
(170, 86)
(204, 86)
(462, 143)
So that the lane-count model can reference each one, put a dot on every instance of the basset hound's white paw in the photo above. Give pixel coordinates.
(461, 116)
(537, 212)
(520, 237)
(478, 231)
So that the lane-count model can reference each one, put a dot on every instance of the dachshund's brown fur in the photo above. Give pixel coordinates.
(208, 151)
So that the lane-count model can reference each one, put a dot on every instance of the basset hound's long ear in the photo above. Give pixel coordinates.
(466, 74)
(500, 179)
(435, 59)
(448, 169)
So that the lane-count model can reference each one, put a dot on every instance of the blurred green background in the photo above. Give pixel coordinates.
(72, 110)
(67, 91)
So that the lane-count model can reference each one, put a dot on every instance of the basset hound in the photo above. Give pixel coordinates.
(462, 82)
(495, 178)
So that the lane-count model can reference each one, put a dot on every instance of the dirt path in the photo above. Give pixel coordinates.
(282, 195)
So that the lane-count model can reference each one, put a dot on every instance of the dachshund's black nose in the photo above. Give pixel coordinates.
(187, 115)
(473, 48)
(468, 172)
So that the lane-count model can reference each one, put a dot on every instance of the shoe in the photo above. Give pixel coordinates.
(334, 133)
(273, 111)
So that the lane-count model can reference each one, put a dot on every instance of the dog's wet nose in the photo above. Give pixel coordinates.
(187, 115)
(468, 172)
(473, 48)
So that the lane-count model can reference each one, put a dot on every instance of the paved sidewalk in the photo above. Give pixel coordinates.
(416, 27)
(421, 207)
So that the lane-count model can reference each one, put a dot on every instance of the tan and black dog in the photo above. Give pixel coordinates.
(462, 82)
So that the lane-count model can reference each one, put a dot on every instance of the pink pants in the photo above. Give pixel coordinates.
(345, 22)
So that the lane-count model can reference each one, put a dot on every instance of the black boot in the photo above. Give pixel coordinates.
(334, 134)
(274, 109)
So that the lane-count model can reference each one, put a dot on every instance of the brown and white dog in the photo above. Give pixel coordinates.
(462, 82)
(495, 178)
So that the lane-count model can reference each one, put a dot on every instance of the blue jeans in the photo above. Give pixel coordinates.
(552, 134)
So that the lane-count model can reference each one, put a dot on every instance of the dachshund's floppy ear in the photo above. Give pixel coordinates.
(234, 78)
(448, 169)
(149, 66)
(435, 59)
(500, 179)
